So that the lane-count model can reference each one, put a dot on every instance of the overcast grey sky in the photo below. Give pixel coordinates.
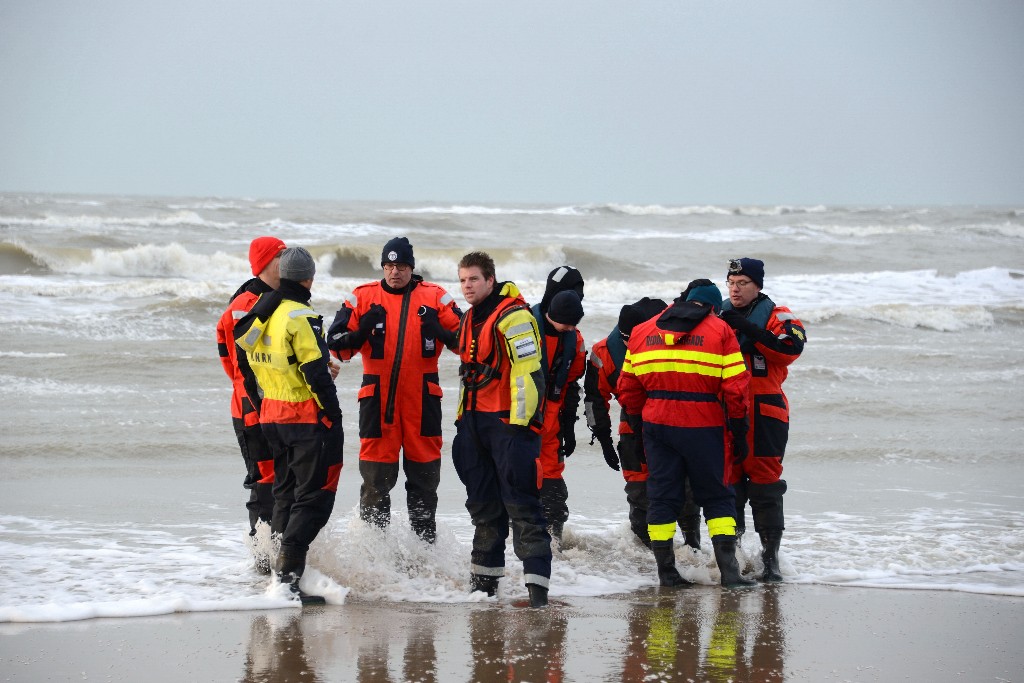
(644, 102)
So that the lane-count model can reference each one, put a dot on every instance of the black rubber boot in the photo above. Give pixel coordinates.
(689, 519)
(770, 541)
(484, 584)
(725, 556)
(665, 556)
(538, 595)
(289, 568)
(692, 538)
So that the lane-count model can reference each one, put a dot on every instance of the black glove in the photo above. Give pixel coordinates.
(431, 327)
(738, 429)
(567, 439)
(334, 440)
(739, 322)
(610, 456)
(369, 320)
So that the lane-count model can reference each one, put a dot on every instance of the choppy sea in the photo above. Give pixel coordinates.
(121, 490)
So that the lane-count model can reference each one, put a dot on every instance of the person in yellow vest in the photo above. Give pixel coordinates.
(496, 451)
(286, 354)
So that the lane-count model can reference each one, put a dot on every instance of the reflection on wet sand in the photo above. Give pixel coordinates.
(717, 635)
(419, 658)
(701, 634)
(277, 650)
(518, 644)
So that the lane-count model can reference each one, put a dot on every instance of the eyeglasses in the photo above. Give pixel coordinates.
(400, 267)
(738, 284)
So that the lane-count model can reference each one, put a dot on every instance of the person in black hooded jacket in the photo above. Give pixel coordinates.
(564, 362)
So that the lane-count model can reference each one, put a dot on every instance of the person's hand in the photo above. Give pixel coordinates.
(739, 322)
(334, 440)
(334, 367)
(369, 320)
(429, 323)
(568, 442)
(610, 456)
(738, 429)
(431, 327)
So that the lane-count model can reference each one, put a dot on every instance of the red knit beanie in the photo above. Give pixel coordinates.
(262, 251)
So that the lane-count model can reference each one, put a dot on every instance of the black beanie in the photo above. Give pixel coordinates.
(397, 250)
(561, 279)
(566, 308)
(751, 267)
(633, 314)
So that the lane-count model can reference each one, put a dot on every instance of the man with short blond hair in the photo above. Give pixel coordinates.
(497, 448)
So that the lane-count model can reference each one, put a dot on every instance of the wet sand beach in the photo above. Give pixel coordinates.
(781, 633)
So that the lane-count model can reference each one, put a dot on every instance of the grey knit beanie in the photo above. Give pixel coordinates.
(297, 264)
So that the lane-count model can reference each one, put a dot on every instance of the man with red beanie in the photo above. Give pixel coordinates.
(288, 375)
(771, 338)
(400, 325)
(265, 261)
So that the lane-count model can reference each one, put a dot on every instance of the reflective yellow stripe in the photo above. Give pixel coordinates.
(661, 532)
(683, 354)
(733, 359)
(675, 366)
(721, 526)
(733, 370)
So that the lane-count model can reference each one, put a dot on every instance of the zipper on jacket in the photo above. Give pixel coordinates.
(389, 410)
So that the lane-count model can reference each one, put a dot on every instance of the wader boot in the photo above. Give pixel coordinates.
(769, 522)
(538, 595)
(689, 520)
(289, 568)
(665, 556)
(484, 584)
(725, 556)
(421, 481)
(691, 530)
(770, 541)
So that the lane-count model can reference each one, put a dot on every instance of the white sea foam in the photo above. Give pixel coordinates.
(658, 210)
(61, 571)
(477, 210)
(32, 354)
(100, 222)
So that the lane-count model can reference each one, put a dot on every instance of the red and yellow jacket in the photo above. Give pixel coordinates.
(681, 367)
(499, 345)
(241, 302)
(286, 351)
